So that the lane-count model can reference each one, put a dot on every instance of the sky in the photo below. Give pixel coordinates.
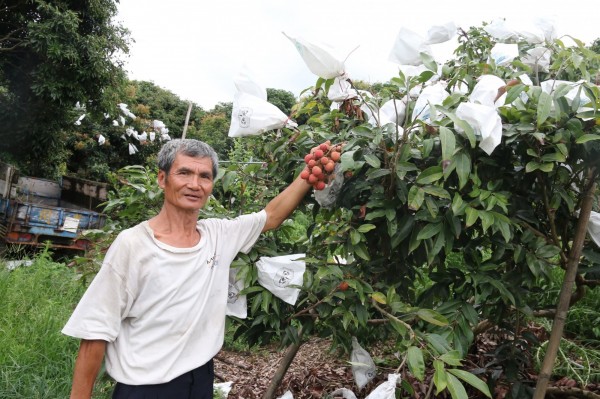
(196, 48)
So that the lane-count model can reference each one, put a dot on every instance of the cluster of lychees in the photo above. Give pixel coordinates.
(320, 164)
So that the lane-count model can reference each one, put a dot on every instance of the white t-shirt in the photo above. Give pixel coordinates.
(162, 308)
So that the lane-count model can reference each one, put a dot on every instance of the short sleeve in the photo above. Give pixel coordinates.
(105, 303)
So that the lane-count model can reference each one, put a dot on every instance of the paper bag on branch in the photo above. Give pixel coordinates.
(363, 367)
(252, 116)
(486, 123)
(236, 303)
(341, 90)
(504, 53)
(408, 47)
(538, 59)
(434, 94)
(486, 91)
(501, 30)
(593, 227)
(245, 82)
(278, 274)
(441, 33)
(320, 59)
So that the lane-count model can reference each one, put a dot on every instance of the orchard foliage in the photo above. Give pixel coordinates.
(431, 236)
(54, 54)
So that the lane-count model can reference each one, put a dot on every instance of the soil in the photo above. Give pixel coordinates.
(314, 372)
(317, 371)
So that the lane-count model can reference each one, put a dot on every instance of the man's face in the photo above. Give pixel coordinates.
(188, 184)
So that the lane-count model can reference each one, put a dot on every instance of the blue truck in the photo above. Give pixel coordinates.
(37, 212)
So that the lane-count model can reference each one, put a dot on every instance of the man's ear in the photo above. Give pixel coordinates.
(162, 177)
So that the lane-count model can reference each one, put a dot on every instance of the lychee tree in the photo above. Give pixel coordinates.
(434, 235)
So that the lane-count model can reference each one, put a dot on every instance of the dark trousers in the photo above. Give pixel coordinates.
(195, 384)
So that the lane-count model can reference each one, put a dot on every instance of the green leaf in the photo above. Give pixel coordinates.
(543, 108)
(531, 166)
(432, 317)
(361, 251)
(439, 376)
(377, 173)
(463, 168)
(416, 196)
(472, 380)
(415, 361)
(547, 251)
(451, 358)
(430, 175)
(448, 142)
(554, 157)
(429, 231)
(514, 92)
(372, 160)
(456, 388)
(472, 215)
(379, 297)
(363, 228)
(587, 137)
(436, 191)
(429, 62)
(457, 204)
(438, 343)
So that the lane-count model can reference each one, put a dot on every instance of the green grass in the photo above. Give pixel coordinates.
(36, 360)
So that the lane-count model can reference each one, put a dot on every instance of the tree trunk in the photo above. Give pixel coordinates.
(567, 288)
(283, 367)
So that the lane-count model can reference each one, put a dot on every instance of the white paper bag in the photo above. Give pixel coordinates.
(236, 303)
(278, 274)
(434, 94)
(593, 227)
(393, 111)
(363, 367)
(286, 395)
(486, 91)
(341, 90)
(408, 47)
(386, 390)
(501, 30)
(441, 33)
(486, 123)
(344, 393)
(320, 58)
(252, 116)
(538, 59)
(245, 82)
(504, 53)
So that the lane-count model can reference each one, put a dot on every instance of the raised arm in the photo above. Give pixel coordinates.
(280, 207)
(87, 366)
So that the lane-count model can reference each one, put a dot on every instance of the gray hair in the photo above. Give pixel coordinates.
(188, 147)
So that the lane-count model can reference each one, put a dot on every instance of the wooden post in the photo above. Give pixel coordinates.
(187, 119)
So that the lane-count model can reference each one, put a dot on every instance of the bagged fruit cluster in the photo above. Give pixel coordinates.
(320, 164)
(322, 172)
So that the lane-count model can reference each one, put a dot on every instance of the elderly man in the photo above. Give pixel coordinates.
(156, 308)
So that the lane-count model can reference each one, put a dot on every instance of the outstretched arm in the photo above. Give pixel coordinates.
(280, 207)
(87, 366)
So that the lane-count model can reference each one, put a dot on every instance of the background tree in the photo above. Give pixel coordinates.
(54, 54)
